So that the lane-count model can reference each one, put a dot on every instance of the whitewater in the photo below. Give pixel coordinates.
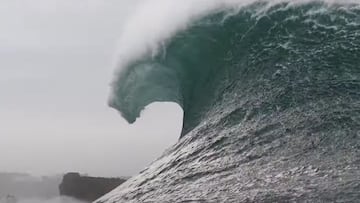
(270, 92)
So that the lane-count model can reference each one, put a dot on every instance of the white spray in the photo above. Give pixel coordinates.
(155, 21)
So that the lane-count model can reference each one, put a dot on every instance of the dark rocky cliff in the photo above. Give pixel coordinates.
(87, 188)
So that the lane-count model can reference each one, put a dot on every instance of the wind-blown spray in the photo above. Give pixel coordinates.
(271, 98)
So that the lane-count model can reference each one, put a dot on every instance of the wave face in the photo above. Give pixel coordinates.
(271, 100)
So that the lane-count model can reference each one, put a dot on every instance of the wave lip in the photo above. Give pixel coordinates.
(144, 84)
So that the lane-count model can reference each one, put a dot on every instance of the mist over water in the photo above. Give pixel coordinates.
(54, 200)
(31, 189)
(55, 59)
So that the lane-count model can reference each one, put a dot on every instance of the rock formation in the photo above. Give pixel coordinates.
(87, 188)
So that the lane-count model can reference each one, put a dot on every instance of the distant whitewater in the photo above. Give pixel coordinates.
(271, 98)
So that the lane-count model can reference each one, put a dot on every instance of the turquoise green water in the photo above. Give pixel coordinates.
(271, 104)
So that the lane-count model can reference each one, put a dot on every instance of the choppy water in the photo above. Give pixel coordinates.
(271, 99)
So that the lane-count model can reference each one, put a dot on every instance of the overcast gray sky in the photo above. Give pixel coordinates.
(55, 68)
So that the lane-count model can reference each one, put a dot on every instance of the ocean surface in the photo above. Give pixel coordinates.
(271, 98)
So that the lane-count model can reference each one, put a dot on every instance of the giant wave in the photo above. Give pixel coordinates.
(271, 98)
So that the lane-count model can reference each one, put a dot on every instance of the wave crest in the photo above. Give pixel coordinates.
(197, 56)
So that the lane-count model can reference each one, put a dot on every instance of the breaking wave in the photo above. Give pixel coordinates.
(271, 87)
(196, 65)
